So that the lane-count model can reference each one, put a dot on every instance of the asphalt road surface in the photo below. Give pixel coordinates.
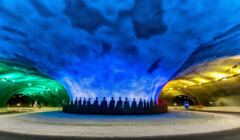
(233, 134)
(224, 135)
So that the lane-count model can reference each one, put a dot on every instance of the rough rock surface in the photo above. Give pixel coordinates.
(117, 47)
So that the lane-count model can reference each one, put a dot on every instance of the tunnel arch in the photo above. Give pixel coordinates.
(19, 100)
(212, 83)
(22, 79)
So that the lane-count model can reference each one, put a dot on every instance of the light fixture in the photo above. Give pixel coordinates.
(225, 78)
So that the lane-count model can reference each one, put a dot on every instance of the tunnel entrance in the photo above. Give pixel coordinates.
(179, 100)
(22, 86)
(213, 83)
(20, 101)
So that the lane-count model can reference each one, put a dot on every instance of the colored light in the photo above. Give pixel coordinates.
(218, 75)
(29, 83)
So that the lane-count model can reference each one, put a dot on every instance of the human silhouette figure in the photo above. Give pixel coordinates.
(84, 102)
(95, 107)
(76, 102)
(144, 106)
(84, 106)
(147, 108)
(126, 107)
(89, 107)
(134, 107)
(74, 109)
(79, 108)
(104, 106)
(119, 109)
(148, 105)
(151, 106)
(140, 106)
(112, 106)
(80, 102)
(151, 103)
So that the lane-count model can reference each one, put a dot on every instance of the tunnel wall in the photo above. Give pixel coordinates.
(117, 48)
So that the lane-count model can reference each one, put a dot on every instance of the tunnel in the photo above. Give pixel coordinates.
(20, 100)
(212, 83)
(120, 69)
(53, 51)
(24, 86)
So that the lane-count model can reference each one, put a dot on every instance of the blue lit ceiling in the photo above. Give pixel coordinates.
(117, 47)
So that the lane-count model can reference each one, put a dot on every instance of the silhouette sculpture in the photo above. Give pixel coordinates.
(144, 106)
(103, 106)
(151, 106)
(95, 106)
(80, 106)
(134, 106)
(140, 106)
(84, 106)
(112, 106)
(88, 110)
(121, 108)
(126, 107)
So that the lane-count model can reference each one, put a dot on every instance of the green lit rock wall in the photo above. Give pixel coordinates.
(19, 79)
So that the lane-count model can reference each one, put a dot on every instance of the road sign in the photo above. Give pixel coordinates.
(186, 104)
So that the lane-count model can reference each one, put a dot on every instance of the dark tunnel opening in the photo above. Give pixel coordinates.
(20, 100)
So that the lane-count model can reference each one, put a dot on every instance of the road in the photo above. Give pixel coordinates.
(233, 134)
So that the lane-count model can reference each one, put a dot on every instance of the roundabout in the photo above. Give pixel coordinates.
(174, 123)
(119, 69)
